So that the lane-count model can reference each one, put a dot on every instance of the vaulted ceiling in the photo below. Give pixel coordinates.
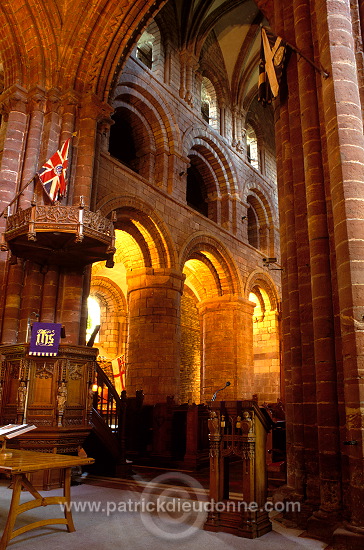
(80, 44)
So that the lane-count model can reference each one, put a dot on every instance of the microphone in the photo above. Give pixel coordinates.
(217, 391)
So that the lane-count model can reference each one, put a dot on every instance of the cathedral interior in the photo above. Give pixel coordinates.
(209, 236)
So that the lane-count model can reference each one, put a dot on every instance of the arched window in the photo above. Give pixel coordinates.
(252, 149)
(150, 51)
(121, 143)
(144, 50)
(196, 195)
(258, 224)
(209, 108)
(93, 318)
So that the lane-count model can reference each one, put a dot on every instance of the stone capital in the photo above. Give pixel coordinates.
(14, 98)
(53, 100)
(37, 99)
(158, 278)
(92, 107)
(104, 125)
(227, 302)
(189, 58)
(70, 101)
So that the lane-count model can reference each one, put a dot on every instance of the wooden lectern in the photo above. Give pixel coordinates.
(238, 431)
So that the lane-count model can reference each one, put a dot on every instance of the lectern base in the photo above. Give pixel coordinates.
(249, 525)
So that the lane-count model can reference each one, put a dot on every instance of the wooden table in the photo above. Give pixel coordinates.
(18, 464)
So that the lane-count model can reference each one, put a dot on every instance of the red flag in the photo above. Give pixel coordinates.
(53, 173)
(119, 371)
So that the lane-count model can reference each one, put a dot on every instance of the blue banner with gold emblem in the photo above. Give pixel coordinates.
(45, 339)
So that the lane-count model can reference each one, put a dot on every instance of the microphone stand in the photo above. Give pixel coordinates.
(217, 391)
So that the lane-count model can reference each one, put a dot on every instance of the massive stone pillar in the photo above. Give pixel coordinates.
(321, 279)
(227, 347)
(153, 352)
(91, 111)
(14, 107)
(297, 315)
(345, 159)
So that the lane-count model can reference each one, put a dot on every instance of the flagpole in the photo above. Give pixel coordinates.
(316, 67)
(295, 49)
(74, 134)
(17, 195)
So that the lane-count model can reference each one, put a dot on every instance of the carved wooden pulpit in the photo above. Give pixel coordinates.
(237, 434)
(54, 394)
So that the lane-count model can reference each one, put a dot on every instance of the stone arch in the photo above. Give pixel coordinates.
(113, 329)
(130, 84)
(37, 68)
(132, 141)
(260, 221)
(110, 34)
(261, 290)
(210, 103)
(212, 271)
(145, 128)
(263, 280)
(216, 155)
(147, 235)
(152, 39)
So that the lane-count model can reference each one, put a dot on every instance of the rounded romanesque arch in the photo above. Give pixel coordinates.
(261, 290)
(262, 221)
(219, 274)
(150, 242)
(215, 320)
(144, 135)
(264, 281)
(113, 309)
(215, 154)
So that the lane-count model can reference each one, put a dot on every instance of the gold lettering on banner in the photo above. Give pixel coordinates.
(45, 337)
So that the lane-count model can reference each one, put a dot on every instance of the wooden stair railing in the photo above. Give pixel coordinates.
(108, 418)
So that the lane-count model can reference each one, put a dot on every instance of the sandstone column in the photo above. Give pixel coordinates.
(227, 347)
(15, 107)
(154, 297)
(92, 109)
(345, 156)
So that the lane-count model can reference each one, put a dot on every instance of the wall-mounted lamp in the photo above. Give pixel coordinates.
(267, 262)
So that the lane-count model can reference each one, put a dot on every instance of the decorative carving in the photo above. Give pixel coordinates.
(90, 398)
(25, 365)
(41, 422)
(53, 101)
(14, 371)
(37, 100)
(15, 99)
(61, 397)
(61, 401)
(51, 224)
(21, 397)
(63, 366)
(72, 422)
(247, 423)
(75, 371)
(44, 371)
(214, 424)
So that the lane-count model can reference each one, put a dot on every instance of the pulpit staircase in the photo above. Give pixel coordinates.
(106, 442)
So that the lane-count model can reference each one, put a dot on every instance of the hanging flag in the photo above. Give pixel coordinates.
(272, 57)
(45, 338)
(119, 371)
(52, 175)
